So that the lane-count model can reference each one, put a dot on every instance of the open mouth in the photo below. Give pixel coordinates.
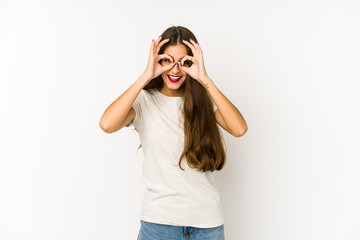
(174, 79)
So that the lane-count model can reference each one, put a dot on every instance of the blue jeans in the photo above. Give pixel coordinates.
(156, 231)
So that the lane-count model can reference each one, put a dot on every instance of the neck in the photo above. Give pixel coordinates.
(173, 93)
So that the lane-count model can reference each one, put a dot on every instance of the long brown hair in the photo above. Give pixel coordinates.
(204, 143)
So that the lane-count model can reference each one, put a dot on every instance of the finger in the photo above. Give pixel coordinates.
(195, 44)
(160, 44)
(193, 49)
(156, 43)
(152, 47)
(163, 56)
(183, 68)
(170, 66)
(187, 57)
(200, 50)
(163, 69)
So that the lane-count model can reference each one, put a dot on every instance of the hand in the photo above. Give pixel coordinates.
(197, 69)
(153, 68)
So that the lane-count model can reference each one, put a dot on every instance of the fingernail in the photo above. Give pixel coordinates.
(152, 40)
(180, 64)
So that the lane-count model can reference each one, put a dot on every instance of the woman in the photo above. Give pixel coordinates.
(175, 107)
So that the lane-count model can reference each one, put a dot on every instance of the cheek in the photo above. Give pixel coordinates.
(164, 77)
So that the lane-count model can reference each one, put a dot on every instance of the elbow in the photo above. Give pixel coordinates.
(241, 132)
(104, 127)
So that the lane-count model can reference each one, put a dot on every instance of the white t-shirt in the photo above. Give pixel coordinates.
(172, 196)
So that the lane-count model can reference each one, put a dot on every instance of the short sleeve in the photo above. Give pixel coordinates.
(137, 107)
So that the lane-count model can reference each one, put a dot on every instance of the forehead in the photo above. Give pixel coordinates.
(176, 51)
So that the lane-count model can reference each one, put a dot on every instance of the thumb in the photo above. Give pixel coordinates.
(185, 69)
(170, 66)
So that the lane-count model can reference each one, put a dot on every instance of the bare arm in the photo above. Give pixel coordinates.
(119, 113)
(230, 117)
(227, 115)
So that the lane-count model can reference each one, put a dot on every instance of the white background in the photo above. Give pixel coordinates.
(292, 68)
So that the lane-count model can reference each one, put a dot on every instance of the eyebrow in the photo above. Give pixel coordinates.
(173, 57)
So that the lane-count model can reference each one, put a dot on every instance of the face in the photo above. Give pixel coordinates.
(172, 86)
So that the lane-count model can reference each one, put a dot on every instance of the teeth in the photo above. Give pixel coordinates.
(175, 78)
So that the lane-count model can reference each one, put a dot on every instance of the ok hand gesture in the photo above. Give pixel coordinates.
(197, 69)
(153, 68)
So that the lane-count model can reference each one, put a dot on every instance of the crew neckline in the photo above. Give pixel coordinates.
(163, 95)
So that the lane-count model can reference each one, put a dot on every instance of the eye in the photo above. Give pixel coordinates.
(187, 63)
(165, 62)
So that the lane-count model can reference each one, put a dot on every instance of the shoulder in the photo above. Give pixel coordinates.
(147, 94)
(143, 94)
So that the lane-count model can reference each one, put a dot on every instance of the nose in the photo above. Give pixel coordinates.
(176, 67)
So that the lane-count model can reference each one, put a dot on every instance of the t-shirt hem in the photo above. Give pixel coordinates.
(158, 221)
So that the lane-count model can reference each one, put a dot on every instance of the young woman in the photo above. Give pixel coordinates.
(175, 107)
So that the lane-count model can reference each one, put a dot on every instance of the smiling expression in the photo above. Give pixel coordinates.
(172, 83)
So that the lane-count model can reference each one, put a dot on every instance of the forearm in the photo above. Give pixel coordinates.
(231, 115)
(115, 114)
